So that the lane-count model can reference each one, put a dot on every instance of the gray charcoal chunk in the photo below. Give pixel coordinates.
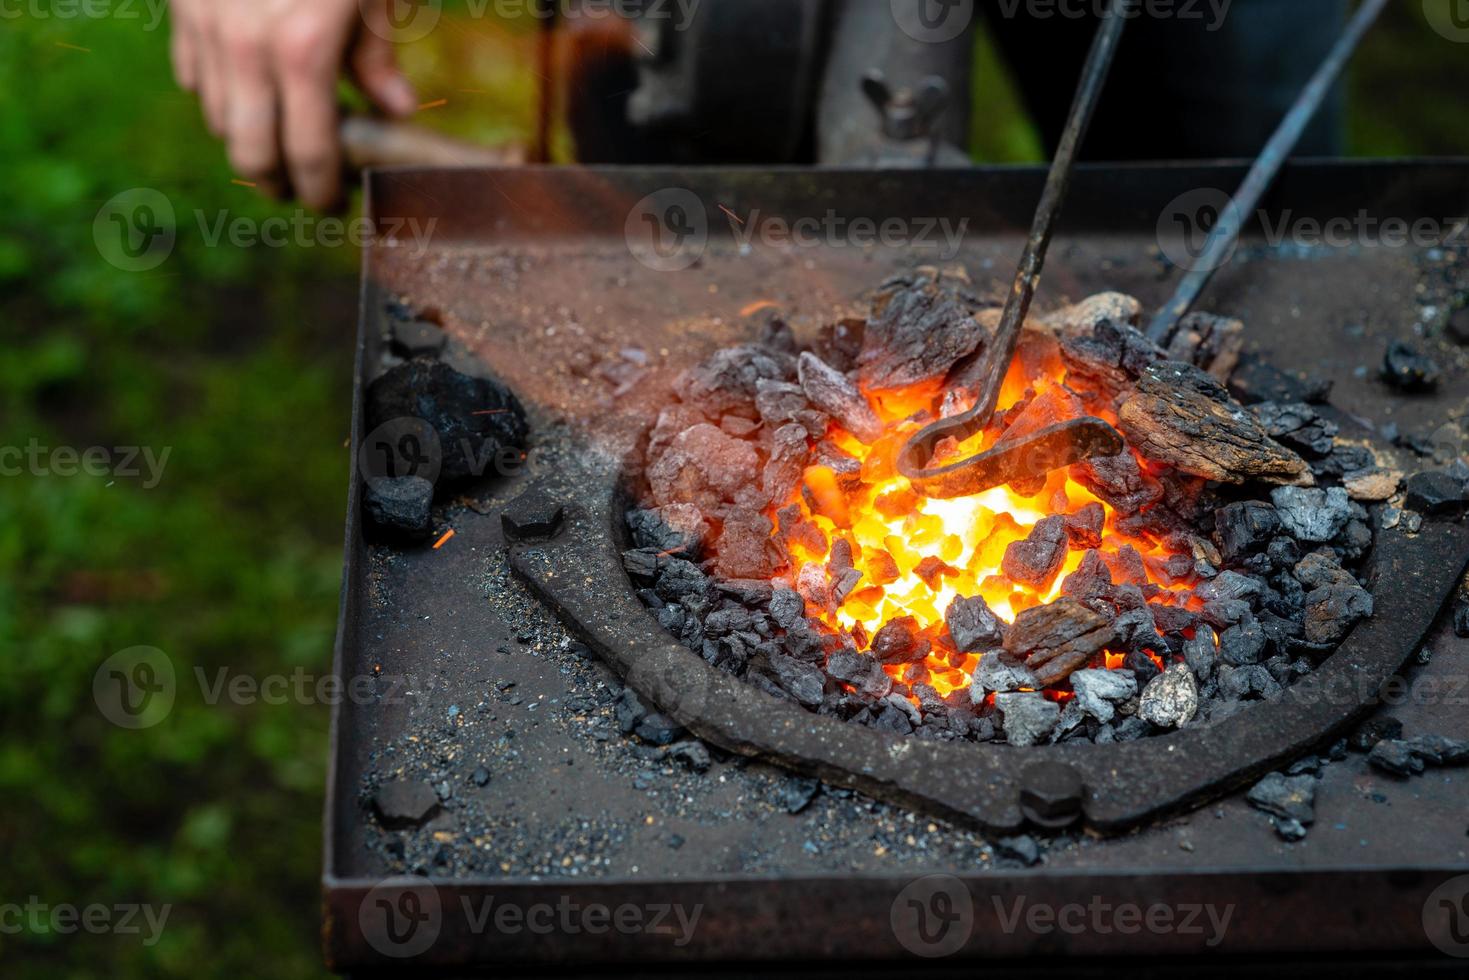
(1201, 653)
(704, 466)
(1022, 848)
(1409, 757)
(1230, 585)
(1245, 528)
(1243, 644)
(803, 681)
(780, 402)
(789, 452)
(1331, 612)
(658, 729)
(629, 710)
(1395, 757)
(1224, 614)
(1248, 683)
(830, 390)
(678, 529)
(727, 383)
(1131, 729)
(1375, 730)
(1435, 493)
(1287, 797)
(403, 803)
(973, 627)
(680, 579)
(797, 792)
(894, 720)
(860, 671)
(400, 506)
(1311, 514)
(1407, 369)
(1320, 570)
(918, 335)
(693, 755)
(1028, 717)
(787, 608)
(1098, 692)
(1298, 426)
(1289, 830)
(995, 674)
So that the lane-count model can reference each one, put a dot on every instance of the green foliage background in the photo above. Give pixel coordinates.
(237, 359)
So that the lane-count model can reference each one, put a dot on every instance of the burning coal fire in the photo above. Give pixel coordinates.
(1204, 565)
(898, 561)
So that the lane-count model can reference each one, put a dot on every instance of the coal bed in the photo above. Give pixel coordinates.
(505, 751)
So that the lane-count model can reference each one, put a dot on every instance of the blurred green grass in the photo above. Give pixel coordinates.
(238, 360)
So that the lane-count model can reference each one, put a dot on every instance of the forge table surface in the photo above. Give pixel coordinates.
(533, 280)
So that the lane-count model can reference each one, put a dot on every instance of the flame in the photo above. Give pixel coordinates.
(918, 554)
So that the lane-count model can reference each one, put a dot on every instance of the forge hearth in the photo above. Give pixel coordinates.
(511, 659)
(1206, 566)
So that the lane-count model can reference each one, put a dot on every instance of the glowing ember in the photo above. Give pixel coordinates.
(917, 555)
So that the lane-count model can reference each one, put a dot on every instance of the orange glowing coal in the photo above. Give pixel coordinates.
(917, 554)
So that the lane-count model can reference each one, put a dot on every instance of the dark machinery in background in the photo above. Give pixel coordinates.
(832, 82)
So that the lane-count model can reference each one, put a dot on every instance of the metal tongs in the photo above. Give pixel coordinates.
(1057, 445)
(1082, 438)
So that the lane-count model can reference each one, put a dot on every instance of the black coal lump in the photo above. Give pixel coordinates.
(1434, 492)
(477, 420)
(1244, 528)
(400, 507)
(1406, 369)
(1372, 731)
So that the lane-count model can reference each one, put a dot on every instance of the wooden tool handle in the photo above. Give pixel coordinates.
(370, 142)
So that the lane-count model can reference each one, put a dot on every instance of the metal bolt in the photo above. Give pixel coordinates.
(1051, 794)
(532, 516)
